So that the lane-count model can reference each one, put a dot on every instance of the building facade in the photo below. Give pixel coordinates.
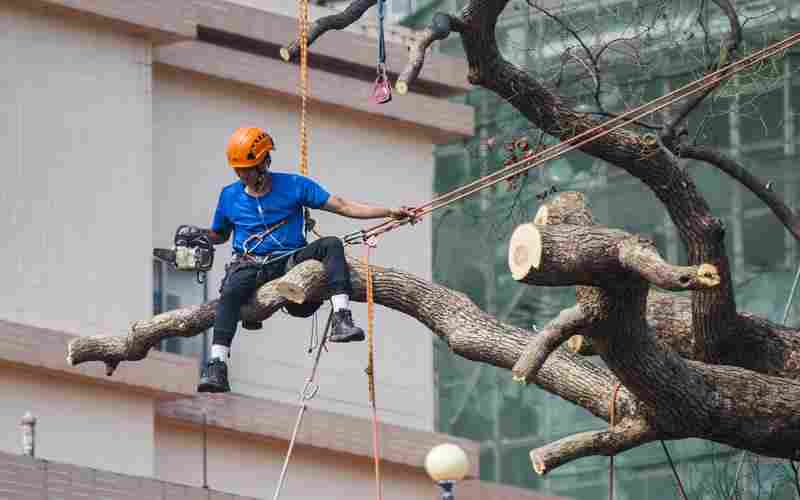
(115, 116)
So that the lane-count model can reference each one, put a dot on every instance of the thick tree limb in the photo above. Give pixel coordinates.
(187, 322)
(475, 335)
(613, 318)
(730, 166)
(754, 343)
(337, 21)
(566, 255)
(607, 442)
(713, 309)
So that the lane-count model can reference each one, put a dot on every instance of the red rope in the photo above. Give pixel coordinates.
(370, 244)
(587, 136)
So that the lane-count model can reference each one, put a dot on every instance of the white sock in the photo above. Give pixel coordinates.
(220, 352)
(341, 301)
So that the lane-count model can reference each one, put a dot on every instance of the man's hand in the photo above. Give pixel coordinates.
(403, 212)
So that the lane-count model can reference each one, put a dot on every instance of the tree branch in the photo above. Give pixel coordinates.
(607, 442)
(568, 323)
(730, 166)
(565, 255)
(640, 256)
(594, 70)
(338, 21)
(189, 321)
(440, 28)
(727, 55)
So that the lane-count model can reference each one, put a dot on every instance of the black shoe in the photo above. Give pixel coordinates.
(343, 328)
(214, 377)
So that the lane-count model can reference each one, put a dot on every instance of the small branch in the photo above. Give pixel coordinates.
(730, 166)
(594, 70)
(338, 21)
(440, 28)
(727, 55)
(607, 442)
(567, 324)
(641, 257)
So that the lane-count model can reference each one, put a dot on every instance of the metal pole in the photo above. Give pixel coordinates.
(205, 450)
(28, 424)
(447, 489)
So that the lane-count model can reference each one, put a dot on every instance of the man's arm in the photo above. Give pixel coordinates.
(357, 210)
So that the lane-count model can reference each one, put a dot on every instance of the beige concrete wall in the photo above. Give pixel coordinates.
(75, 132)
(252, 467)
(81, 424)
(358, 157)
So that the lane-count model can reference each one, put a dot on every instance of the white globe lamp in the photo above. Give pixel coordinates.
(446, 464)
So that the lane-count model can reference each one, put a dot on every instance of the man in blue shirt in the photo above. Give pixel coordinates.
(265, 211)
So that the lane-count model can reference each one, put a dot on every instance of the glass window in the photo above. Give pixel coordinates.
(173, 289)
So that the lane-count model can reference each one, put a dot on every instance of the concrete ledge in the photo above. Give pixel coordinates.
(320, 429)
(443, 120)
(162, 375)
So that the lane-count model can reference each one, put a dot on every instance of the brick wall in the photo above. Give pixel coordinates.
(25, 478)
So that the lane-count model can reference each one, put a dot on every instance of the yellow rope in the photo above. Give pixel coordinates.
(304, 86)
(371, 372)
(370, 329)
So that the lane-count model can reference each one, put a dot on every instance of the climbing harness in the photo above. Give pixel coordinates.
(308, 392)
(370, 245)
(254, 240)
(382, 88)
(707, 82)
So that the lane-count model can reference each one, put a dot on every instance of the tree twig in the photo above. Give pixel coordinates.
(763, 190)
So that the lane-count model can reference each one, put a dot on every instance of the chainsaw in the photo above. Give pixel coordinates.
(192, 251)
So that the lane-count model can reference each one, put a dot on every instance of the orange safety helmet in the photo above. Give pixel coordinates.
(248, 146)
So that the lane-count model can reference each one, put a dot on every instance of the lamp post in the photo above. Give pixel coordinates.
(446, 464)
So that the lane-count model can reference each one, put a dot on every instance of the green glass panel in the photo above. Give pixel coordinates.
(470, 237)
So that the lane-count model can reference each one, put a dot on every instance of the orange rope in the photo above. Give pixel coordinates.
(304, 86)
(371, 370)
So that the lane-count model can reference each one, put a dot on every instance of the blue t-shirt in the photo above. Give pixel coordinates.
(247, 215)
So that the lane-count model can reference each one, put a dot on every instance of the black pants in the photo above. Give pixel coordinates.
(241, 283)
